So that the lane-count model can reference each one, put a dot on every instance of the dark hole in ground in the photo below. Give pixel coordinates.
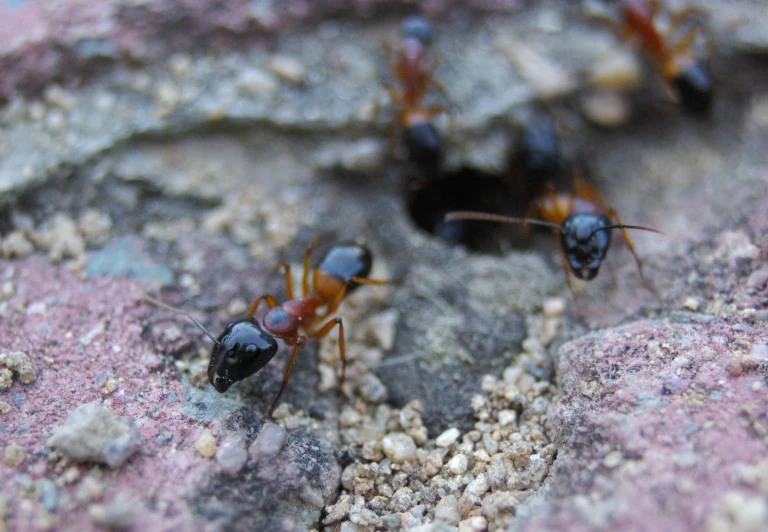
(473, 190)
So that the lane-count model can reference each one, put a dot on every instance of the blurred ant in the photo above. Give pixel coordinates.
(584, 222)
(419, 135)
(685, 78)
(246, 345)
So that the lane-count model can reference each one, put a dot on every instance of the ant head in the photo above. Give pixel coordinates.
(418, 28)
(694, 87)
(585, 238)
(241, 350)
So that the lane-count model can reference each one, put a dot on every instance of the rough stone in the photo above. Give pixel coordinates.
(93, 433)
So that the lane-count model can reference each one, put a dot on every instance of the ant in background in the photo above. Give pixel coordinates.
(684, 77)
(421, 140)
(247, 345)
(584, 222)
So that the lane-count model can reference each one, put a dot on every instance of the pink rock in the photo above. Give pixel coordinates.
(650, 427)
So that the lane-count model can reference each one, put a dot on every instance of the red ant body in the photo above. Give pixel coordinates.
(584, 222)
(684, 77)
(246, 345)
(419, 135)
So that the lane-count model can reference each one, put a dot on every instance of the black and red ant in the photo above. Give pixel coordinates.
(684, 76)
(584, 223)
(247, 345)
(420, 137)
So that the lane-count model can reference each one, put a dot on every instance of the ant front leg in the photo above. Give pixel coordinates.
(569, 278)
(323, 331)
(271, 303)
(298, 343)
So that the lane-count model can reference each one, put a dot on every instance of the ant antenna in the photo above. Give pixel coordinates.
(177, 311)
(488, 217)
(623, 226)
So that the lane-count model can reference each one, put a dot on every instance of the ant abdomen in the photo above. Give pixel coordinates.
(342, 263)
(694, 87)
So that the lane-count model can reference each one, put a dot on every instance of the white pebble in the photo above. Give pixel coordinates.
(399, 447)
(691, 303)
(447, 438)
(606, 108)
(458, 464)
(288, 69)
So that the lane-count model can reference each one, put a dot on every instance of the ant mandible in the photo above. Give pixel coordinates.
(246, 345)
(685, 78)
(419, 135)
(584, 222)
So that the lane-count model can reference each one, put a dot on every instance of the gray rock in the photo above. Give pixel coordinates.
(126, 257)
(92, 433)
(287, 491)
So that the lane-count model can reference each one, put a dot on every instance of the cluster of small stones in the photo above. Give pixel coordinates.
(403, 479)
(60, 235)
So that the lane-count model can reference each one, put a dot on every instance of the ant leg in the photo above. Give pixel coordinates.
(568, 278)
(300, 341)
(271, 303)
(625, 235)
(323, 331)
(307, 260)
(288, 281)
(337, 299)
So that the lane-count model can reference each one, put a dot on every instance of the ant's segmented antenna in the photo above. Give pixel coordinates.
(178, 311)
(488, 217)
(623, 226)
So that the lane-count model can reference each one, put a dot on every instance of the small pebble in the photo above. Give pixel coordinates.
(19, 362)
(473, 524)
(619, 71)
(606, 108)
(399, 447)
(458, 464)
(692, 304)
(93, 433)
(268, 443)
(447, 438)
(206, 445)
(231, 455)
(447, 510)
(554, 307)
(613, 459)
(14, 455)
(4, 407)
(119, 514)
(16, 244)
(287, 68)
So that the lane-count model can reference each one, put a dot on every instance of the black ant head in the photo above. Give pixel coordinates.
(241, 350)
(585, 238)
(418, 28)
(694, 87)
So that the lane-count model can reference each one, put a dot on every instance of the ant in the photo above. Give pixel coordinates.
(419, 135)
(685, 78)
(584, 222)
(247, 345)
